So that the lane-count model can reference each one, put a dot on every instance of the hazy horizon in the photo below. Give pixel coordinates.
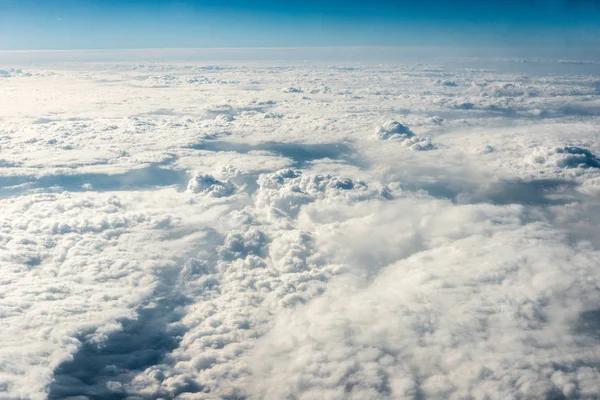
(360, 54)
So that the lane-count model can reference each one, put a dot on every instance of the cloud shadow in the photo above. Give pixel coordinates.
(98, 370)
(300, 153)
(536, 192)
(143, 178)
(589, 323)
(533, 192)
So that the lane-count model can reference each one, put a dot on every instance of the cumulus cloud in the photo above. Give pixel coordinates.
(284, 192)
(394, 130)
(207, 184)
(13, 72)
(563, 157)
(292, 89)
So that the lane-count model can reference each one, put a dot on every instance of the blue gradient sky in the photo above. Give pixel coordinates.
(108, 24)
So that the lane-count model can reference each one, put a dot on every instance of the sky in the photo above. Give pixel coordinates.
(111, 24)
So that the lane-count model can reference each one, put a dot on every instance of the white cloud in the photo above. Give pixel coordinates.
(393, 130)
(207, 184)
(484, 305)
(563, 157)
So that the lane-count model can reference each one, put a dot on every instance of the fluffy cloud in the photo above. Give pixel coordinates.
(488, 309)
(394, 130)
(563, 157)
(207, 184)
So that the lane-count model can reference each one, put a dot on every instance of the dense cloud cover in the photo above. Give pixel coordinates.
(253, 231)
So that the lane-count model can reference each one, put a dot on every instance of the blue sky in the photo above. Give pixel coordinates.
(108, 24)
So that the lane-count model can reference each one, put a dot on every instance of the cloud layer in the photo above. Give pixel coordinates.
(257, 231)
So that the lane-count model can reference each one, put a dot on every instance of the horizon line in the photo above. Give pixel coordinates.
(597, 48)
